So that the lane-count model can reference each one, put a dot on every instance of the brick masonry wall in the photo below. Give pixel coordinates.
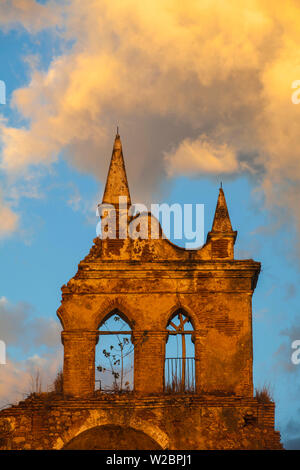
(170, 421)
(149, 361)
(79, 362)
(215, 295)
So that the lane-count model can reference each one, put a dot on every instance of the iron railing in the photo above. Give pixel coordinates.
(180, 374)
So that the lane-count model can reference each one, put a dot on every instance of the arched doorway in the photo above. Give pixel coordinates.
(180, 355)
(111, 437)
(114, 359)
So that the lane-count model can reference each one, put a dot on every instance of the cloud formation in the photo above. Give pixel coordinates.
(22, 329)
(169, 74)
(16, 377)
(8, 219)
(24, 334)
(202, 156)
(30, 14)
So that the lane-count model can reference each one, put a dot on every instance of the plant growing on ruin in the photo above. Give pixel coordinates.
(115, 356)
(35, 382)
(58, 382)
(264, 395)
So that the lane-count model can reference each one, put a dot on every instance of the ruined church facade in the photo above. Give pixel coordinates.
(149, 281)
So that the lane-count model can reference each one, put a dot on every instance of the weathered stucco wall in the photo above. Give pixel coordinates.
(215, 294)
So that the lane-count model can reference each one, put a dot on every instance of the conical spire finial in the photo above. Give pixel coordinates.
(221, 221)
(116, 182)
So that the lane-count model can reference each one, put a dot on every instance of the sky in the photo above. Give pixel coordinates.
(202, 93)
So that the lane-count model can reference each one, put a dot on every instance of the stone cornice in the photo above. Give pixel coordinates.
(206, 265)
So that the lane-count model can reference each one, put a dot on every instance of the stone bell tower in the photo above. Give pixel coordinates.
(161, 290)
(148, 281)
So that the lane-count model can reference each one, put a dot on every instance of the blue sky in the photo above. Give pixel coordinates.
(55, 204)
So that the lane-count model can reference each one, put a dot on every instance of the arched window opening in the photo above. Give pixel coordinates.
(180, 355)
(114, 356)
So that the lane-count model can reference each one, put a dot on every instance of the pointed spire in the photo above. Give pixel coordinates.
(221, 221)
(221, 236)
(116, 182)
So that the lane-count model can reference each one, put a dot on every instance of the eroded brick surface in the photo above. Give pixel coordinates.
(181, 422)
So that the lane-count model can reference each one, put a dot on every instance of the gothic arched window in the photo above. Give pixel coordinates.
(114, 355)
(180, 354)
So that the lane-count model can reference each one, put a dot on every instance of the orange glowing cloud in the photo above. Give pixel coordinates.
(168, 73)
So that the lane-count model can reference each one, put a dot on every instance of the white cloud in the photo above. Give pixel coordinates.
(200, 156)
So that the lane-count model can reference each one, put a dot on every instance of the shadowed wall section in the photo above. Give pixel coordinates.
(112, 438)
